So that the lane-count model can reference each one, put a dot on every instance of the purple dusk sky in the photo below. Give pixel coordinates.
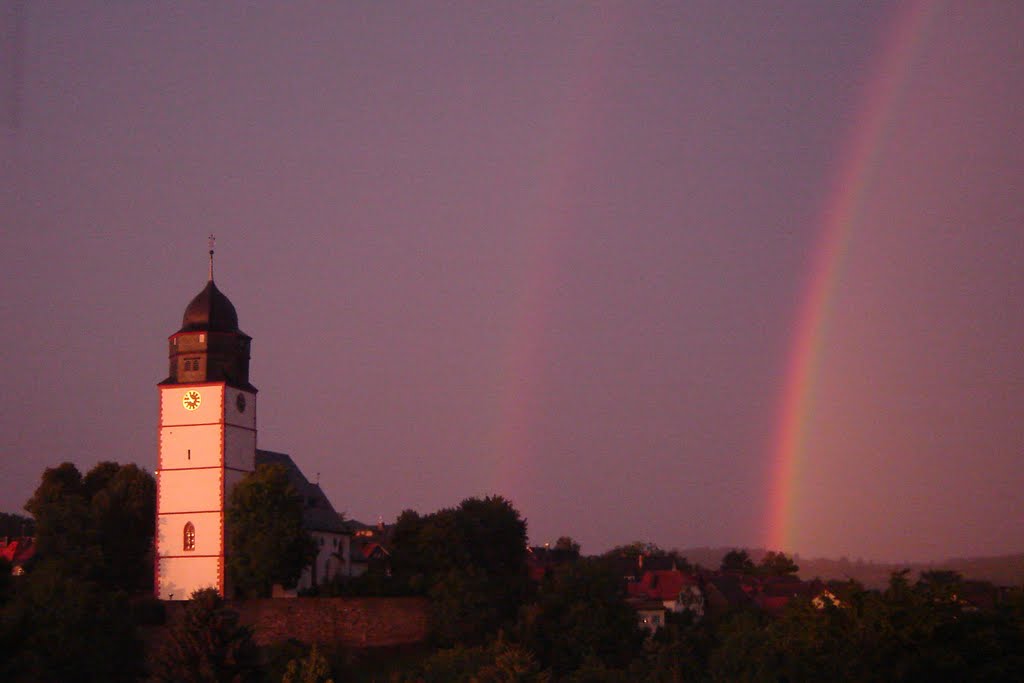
(554, 251)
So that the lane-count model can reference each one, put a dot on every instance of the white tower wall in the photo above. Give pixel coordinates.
(202, 453)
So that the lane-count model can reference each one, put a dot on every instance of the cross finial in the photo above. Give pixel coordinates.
(213, 240)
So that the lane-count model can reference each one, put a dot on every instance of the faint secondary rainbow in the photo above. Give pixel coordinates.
(544, 232)
(859, 156)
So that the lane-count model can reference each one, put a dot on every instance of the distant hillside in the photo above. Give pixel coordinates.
(1002, 570)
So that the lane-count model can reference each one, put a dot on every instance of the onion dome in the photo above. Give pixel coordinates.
(210, 311)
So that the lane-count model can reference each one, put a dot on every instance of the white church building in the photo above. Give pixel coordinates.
(207, 444)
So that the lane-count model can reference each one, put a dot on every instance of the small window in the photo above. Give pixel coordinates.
(190, 536)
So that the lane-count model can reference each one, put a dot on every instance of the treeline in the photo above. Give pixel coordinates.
(575, 625)
(1005, 570)
(76, 614)
(908, 632)
(1002, 570)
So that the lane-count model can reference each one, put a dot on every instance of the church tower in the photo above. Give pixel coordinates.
(207, 444)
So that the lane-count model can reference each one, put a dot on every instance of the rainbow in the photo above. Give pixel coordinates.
(544, 234)
(860, 156)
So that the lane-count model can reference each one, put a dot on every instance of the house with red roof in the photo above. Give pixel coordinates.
(676, 591)
(773, 593)
(19, 552)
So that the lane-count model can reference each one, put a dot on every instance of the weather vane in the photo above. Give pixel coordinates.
(213, 240)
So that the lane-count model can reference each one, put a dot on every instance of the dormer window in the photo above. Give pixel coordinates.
(189, 537)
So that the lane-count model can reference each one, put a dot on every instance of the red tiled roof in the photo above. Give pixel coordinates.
(18, 551)
(371, 549)
(661, 584)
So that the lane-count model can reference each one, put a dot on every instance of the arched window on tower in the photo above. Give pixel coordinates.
(190, 536)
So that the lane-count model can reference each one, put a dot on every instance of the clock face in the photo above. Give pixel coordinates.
(240, 402)
(191, 399)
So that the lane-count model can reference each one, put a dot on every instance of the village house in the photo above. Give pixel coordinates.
(18, 551)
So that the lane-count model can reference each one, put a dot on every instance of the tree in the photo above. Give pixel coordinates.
(313, 668)
(99, 527)
(638, 549)
(407, 563)
(580, 615)
(566, 544)
(207, 645)
(494, 535)
(940, 584)
(267, 543)
(777, 564)
(485, 533)
(511, 664)
(69, 618)
(565, 549)
(6, 581)
(61, 511)
(471, 561)
(635, 549)
(677, 652)
(738, 561)
(467, 606)
(123, 515)
(59, 626)
(497, 662)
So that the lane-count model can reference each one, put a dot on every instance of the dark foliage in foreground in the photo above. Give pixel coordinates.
(207, 645)
(906, 633)
(62, 627)
(574, 631)
(470, 561)
(69, 618)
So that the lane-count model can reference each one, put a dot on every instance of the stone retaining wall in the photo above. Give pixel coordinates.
(354, 622)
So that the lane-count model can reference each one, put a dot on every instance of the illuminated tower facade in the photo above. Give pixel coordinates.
(207, 443)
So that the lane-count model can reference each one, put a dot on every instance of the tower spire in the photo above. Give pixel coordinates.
(213, 241)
